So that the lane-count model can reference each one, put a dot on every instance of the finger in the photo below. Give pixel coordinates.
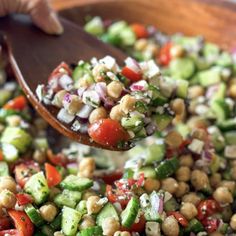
(44, 17)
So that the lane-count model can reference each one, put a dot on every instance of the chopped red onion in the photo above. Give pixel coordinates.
(64, 116)
(84, 112)
(212, 90)
(81, 91)
(141, 85)
(91, 98)
(101, 89)
(133, 65)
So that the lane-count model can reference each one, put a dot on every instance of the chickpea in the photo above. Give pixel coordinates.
(228, 184)
(197, 121)
(232, 91)
(186, 160)
(170, 226)
(87, 167)
(87, 222)
(141, 44)
(223, 195)
(183, 174)
(195, 91)
(152, 228)
(191, 198)
(39, 156)
(116, 113)
(58, 98)
(127, 103)
(92, 205)
(74, 105)
(151, 185)
(48, 212)
(123, 233)
(200, 134)
(98, 72)
(7, 199)
(114, 89)
(173, 139)
(176, 51)
(97, 114)
(188, 210)
(13, 120)
(199, 180)
(58, 233)
(215, 180)
(84, 82)
(109, 226)
(88, 194)
(169, 184)
(151, 49)
(7, 182)
(233, 222)
(178, 106)
(182, 189)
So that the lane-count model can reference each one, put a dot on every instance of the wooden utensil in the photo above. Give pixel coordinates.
(33, 55)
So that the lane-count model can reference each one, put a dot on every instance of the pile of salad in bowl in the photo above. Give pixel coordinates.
(179, 181)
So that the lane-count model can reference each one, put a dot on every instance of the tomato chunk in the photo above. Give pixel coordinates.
(57, 159)
(211, 224)
(136, 227)
(131, 75)
(24, 171)
(18, 103)
(164, 55)
(52, 174)
(110, 178)
(179, 217)
(139, 30)
(64, 66)
(23, 199)
(107, 132)
(1, 155)
(22, 222)
(207, 208)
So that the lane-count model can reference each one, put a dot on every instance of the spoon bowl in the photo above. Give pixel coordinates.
(33, 55)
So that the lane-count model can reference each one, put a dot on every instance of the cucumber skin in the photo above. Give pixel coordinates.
(92, 231)
(75, 183)
(4, 169)
(129, 215)
(34, 215)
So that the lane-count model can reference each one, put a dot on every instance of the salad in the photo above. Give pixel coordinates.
(180, 181)
(114, 105)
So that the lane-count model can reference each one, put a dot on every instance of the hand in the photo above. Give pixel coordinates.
(40, 11)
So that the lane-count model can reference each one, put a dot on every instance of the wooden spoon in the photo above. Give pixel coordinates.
(33, 55)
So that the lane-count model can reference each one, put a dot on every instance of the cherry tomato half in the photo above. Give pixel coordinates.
(23, 199)
(107, 132)
(52, 174)
(179, 217)
(139, 30)
(131, 75)
(207, 208)
(164, 57)
(18, 103)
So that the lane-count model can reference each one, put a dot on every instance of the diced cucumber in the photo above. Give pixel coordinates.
(227, 125)
(5, 96)
(194, 226)
(127, 36)
(171, 205)
(182, 88)
(92, 231)
(41, 143)
(225, 60)
(151, 212)
(183, 129)
(95, 26)
(148, 171)
(81, 207)
(221, 109)
(47, 230)
(167, 168)
(107, 211)
(111, 39)
(5, 113)
(10, 153)
(128, 174)
(34, 215)
(210, 76)
(220, 92)
(4, 169)
(230, 137)
(83, 69)
(70, 220)
(68, 198)
(157, 98)
(211, 51)
(56, 223)
(75, 183)
(37, 186)
(17, 137)
(141, 107)
(129, 214)
(162, 121)
(134, 123)
(181, 68)
(154, 153)
(117, 27)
